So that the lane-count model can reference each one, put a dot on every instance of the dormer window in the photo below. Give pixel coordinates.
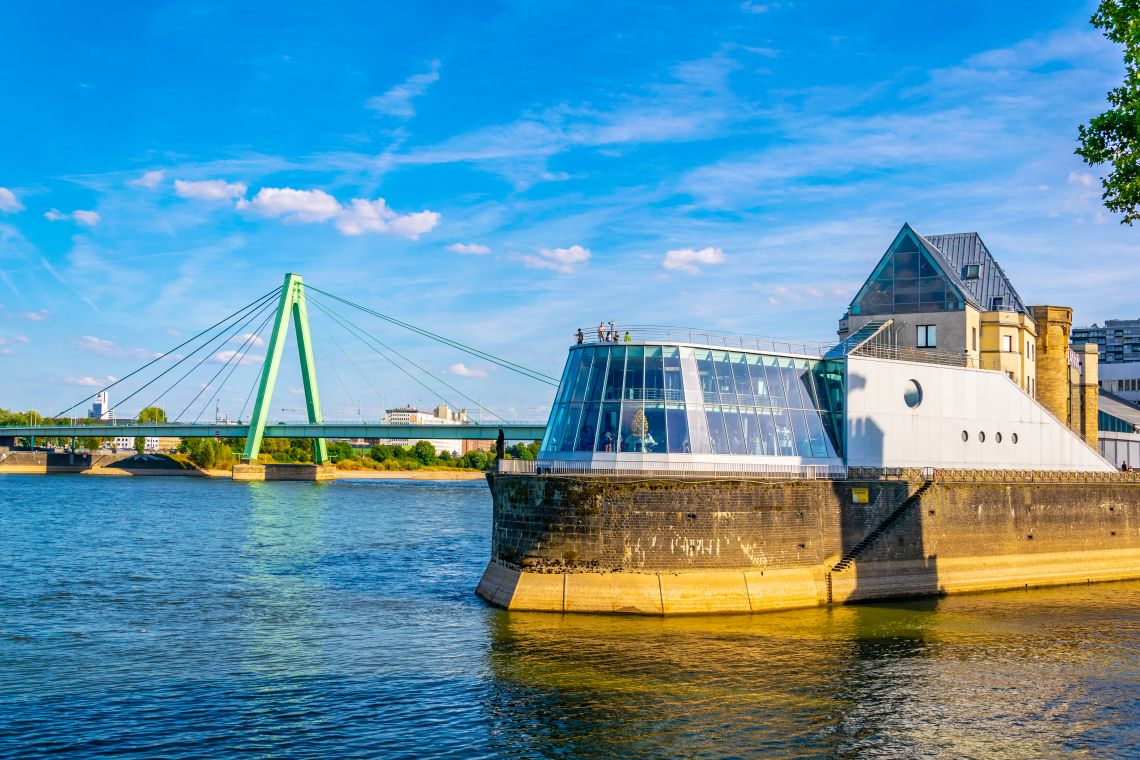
(970, 272)
(996, 303)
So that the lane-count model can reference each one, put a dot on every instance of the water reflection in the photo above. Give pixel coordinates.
(280, 588)
(891, 680)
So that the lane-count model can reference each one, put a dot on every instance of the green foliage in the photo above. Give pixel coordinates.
(140, 444)
(208, 453)
(1113, 137)
(527, 451)
(424, 453)
(152, 414)
(476, 460)
(341, 450)
(90, 444)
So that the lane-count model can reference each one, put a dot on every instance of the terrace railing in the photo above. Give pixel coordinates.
(665, 334)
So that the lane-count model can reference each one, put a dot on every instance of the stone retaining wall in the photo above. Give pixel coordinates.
(739, 545)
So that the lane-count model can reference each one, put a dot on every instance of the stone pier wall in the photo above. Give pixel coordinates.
(661, 546)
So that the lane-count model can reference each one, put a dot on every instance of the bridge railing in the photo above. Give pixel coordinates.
(696, 469)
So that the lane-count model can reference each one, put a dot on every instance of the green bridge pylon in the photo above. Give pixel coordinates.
(292, 301)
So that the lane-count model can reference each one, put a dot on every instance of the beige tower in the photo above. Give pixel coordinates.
(1053, 326)
(1085, 393)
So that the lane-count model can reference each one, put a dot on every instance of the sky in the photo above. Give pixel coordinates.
(504, 173)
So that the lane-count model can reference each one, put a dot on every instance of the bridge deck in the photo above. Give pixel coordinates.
(511, 431)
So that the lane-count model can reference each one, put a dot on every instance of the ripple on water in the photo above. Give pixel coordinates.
(187, 618)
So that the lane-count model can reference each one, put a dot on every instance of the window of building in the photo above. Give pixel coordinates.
(996, 303)
(1007, 343)
(907, 280)
(974, 338)
(970, 272)
(927, 336)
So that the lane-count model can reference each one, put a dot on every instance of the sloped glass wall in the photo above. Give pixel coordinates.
(685, 400)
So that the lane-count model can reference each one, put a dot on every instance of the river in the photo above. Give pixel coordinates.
(181, 618)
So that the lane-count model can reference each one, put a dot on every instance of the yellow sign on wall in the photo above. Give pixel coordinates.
(860, 495)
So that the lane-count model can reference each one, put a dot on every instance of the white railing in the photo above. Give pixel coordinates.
(661, 334)
(705, 469)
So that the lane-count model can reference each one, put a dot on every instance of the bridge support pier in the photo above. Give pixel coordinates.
(260, 472)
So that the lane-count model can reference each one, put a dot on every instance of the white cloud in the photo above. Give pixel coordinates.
(8, 202)
(1084, 179)
(398, 100)
(469, 248)
(224, 356)
(84, 217)
(687, 259)
(291, 205)
(254, 340)
(33, 316)
(750, 7)
(462, 370)
(209, 189)
(558, 259)
(358, 217)
(172, 332)
(87, 381)
(150, 180)
(106, 347)
(375, 216)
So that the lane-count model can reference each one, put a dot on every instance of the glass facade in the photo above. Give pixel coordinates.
(907, 280)
(657, 399)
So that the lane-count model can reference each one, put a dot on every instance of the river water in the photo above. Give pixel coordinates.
(178, 617)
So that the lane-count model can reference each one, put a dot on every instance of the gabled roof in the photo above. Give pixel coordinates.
(962, 248)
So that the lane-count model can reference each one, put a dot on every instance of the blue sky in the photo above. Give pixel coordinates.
(503, 173)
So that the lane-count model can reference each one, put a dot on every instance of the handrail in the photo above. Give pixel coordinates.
(665, 334)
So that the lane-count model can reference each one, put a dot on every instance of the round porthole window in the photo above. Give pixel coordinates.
(1013, 439)
(997, 437)
(912, 393)
(981, 436)
(965, 436)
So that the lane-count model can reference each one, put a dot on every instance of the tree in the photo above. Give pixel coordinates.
(140, 444)
(152, 414)
(1113, 137)
(424, 452)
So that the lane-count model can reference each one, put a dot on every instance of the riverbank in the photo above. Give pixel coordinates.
(127, 471)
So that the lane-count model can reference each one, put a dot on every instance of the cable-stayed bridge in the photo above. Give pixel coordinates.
(192, 364)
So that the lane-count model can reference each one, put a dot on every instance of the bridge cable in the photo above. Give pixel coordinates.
(505, 363)
(339, 319)
(347, 392)
(243, 349)
(227, 335)
(352, 361)
(361, 336)
(275, 292)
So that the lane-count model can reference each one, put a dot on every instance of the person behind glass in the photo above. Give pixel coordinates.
(612, 334)
(627, 338)
(581, 337)
(601, 332)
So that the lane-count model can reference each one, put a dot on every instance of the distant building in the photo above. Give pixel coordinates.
(161, 443)
(122, 442)
(441, 415)
(1120, 430)
(101, 407)
(1118, 340)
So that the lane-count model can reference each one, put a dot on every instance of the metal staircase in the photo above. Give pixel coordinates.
(853, 553)
(859, 338)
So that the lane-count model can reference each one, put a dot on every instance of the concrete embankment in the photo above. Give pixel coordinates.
(666, 546)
